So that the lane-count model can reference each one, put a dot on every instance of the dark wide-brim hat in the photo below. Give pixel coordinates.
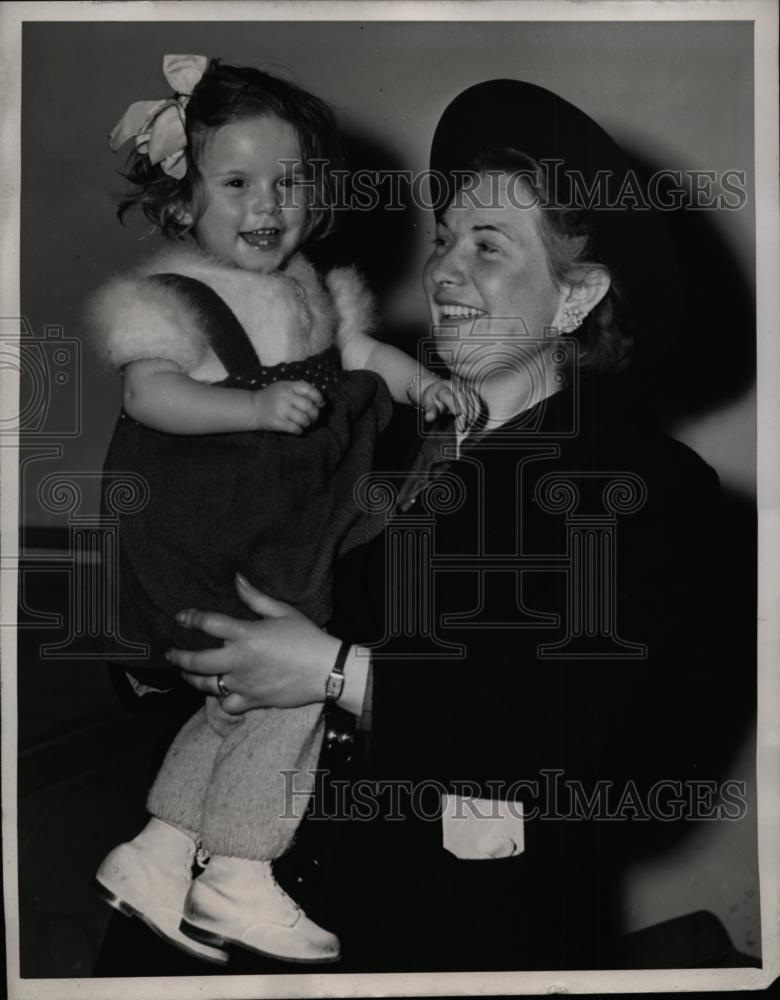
(629, 238)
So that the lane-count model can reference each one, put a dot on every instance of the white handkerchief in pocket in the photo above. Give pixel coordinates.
(482, 829)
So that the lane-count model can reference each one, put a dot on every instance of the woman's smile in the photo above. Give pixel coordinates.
(456, 310)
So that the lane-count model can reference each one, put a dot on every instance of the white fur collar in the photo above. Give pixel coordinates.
(131, 321)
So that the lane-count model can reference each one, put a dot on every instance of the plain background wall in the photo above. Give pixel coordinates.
(679, 96)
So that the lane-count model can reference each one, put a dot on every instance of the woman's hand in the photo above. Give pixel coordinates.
(282, 661)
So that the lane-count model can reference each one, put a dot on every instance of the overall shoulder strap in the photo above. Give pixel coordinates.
(227, 337)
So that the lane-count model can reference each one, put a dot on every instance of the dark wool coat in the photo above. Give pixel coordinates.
(589, 726)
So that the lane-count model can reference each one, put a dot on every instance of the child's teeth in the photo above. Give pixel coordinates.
(261, 237)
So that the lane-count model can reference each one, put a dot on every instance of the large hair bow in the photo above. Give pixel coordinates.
(158, 126)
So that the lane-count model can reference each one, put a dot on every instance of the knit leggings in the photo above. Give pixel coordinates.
(240, 782)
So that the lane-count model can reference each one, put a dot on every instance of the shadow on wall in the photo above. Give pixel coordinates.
(696, 348)
(378, 238)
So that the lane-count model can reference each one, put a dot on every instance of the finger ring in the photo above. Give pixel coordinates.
(223, 689)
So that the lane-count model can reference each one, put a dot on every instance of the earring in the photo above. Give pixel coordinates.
(571, 318)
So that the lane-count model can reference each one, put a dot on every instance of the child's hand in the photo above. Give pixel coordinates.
(437, 397)
(289, 407)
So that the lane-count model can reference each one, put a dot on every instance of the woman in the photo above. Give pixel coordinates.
(535, 717)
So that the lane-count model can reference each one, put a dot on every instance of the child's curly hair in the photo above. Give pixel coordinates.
(227, 94)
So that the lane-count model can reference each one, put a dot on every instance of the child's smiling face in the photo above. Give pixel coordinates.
(255, 214)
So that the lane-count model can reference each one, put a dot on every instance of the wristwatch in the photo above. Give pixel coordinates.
(334, 685)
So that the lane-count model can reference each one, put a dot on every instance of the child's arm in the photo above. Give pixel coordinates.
(158, 394)
(408, 381)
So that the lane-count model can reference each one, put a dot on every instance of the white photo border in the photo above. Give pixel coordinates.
(764, 15)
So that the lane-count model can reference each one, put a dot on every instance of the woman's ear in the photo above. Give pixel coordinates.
(585, 287)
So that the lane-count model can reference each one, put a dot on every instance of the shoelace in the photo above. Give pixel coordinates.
(282, 894)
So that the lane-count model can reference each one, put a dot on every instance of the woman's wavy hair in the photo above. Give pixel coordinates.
(227, 94)
(570, 240)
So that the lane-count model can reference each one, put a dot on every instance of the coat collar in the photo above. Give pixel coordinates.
(570, 418)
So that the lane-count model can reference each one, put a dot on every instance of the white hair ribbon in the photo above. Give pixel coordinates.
(158, 126)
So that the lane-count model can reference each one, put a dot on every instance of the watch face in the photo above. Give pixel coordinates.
(334, 686)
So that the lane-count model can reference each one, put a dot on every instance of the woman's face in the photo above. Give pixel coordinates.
(488, 281)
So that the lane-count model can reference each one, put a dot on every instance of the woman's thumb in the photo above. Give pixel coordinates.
(259, 602)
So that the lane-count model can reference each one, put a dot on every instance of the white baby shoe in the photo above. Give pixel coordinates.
(238, 902)
(149, 878)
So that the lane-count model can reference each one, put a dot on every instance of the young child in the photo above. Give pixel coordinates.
(250, 409)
